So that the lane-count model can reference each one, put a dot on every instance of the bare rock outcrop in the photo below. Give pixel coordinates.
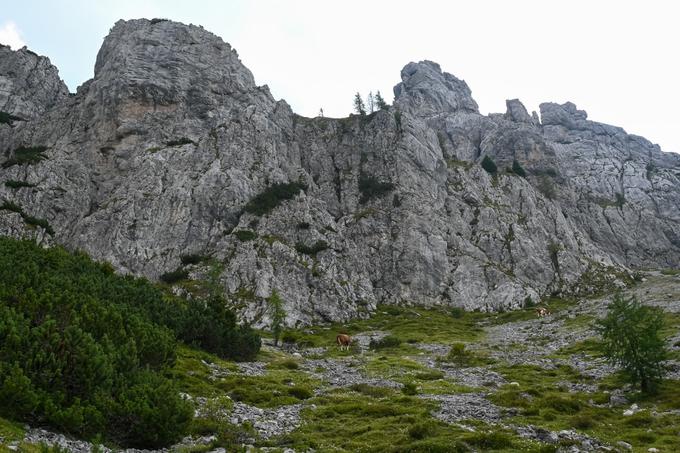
(159, 155)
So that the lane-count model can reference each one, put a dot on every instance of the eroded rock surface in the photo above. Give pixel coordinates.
(157, 156)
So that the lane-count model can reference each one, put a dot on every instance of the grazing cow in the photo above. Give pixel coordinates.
(542, 312)
(343, 340)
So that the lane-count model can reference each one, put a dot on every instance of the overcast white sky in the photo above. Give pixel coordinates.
(618, 60)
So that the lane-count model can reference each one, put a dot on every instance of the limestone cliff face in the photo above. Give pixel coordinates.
(157, 156)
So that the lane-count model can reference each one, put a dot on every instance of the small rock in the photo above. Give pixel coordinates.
(631, 411)
(516, 384)
(653, 450)
(624, 445)
(617, 400)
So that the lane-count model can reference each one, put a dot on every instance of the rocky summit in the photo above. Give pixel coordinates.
(171, 161)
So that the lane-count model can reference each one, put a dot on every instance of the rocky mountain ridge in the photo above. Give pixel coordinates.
(157, 163)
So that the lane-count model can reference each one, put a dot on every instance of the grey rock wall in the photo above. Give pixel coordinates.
(157, 156)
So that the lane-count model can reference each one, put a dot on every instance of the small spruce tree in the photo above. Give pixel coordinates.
(518, 169)
(370, 102)
(379, 101)
(359, 106)
(278, 315)
(631, 340)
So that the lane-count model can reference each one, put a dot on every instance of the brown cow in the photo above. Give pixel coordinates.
(343, 340)
(542, 312)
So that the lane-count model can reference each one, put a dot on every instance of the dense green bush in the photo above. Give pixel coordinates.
(371, 187)
(210, 325)
(272, 196)
(77, 355)
(84, 350)
(489, 165)
(26, 155)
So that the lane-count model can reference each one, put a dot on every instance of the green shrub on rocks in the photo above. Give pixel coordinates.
(518, 169)
(311, 250)
(192, 259)
(85, 351)
(272, 196)
(78, 355)
(489, 165)
(245, 235)
(26, 155)
(371, 187)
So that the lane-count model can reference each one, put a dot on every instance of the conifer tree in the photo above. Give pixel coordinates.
(379, 101)
(370, 102)
(359, 106)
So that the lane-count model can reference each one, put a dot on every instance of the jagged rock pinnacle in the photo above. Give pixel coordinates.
(427, 91)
